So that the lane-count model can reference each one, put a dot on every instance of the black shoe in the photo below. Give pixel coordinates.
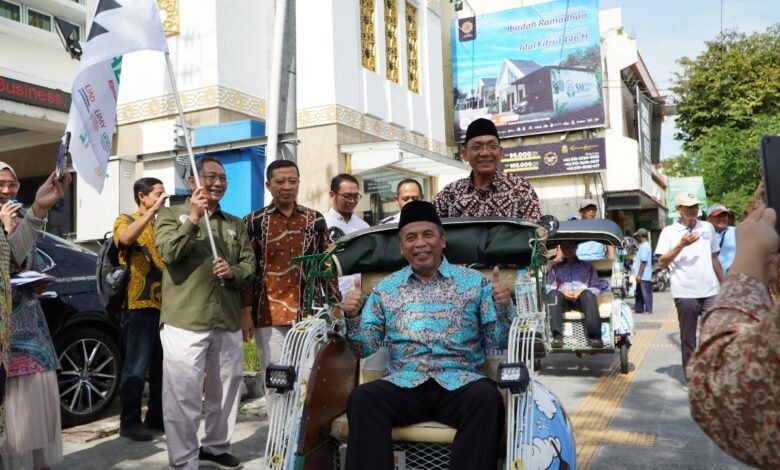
(557, 342)
(207, 459)
(155, 426)
(136, 433)
(595, 342)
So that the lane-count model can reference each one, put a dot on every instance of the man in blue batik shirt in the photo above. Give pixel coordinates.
(432, 315)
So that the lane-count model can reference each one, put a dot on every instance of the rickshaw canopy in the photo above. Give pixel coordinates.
(479, 241)
(601, 230)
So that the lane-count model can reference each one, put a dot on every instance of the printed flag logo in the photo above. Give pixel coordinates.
(118, 28)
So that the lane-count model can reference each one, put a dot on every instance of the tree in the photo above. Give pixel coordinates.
(727, 98)
(735, 79)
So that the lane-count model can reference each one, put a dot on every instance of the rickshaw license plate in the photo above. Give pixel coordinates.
(568, 329)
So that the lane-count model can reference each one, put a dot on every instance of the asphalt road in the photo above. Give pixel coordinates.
(636, 421)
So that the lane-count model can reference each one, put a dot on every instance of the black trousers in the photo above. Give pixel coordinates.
(688, 313)
(644, 297)
(586, 303)
(476, 410)
(143, 352)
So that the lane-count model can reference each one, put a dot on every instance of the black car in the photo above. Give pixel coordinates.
(86, 338)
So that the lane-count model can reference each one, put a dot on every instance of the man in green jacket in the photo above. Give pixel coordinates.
(202, 328)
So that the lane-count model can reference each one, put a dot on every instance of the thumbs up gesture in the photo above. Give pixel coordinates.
(354, 300)
(500, 291)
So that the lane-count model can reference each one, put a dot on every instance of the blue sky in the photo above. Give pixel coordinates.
(666, 30)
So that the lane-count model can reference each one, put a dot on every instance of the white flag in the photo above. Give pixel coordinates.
(92, 120)
(122, 26)
(117, 28)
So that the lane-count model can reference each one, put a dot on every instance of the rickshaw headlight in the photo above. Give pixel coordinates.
(514, 376)
(280, 378)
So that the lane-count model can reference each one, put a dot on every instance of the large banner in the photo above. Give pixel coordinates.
(561, 158)
(531, 70)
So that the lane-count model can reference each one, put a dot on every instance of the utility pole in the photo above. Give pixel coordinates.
(281, 118)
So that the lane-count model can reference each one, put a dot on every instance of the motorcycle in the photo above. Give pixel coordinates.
(660, 278)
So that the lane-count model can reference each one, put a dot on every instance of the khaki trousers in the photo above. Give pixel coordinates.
(187, 355)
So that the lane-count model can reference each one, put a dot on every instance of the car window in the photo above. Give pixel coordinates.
(68, 258)
(42, 262)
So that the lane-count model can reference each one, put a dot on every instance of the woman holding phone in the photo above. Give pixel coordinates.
(30, 412)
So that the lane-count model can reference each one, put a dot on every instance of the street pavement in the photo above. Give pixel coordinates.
(640, 420)
(636, 421)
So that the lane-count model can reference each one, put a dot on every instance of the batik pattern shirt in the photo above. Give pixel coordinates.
(734, 376)
(505, 196)
(435, 329)
(31, 350)
(144, 289)
(575, 276)
(277, 291)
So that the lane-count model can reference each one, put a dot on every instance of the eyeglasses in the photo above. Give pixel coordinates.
(213, 177)
(478, 148)
(351, 197)
(10, 185)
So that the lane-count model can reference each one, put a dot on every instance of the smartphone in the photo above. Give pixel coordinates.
(62, 157)
(770, 159)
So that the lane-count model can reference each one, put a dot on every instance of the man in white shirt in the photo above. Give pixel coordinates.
(341, 220)
(407, 190)
(690, 248)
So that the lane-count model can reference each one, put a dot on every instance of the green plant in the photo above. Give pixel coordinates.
(251, 359)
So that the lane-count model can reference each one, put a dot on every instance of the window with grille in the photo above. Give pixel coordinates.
(391, 40)
(412, 64)
(367, 35)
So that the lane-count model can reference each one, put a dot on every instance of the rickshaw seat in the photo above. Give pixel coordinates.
(603, 267)
(427, 431)
(605, 308)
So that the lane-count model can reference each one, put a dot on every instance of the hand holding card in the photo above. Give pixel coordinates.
(62, 157)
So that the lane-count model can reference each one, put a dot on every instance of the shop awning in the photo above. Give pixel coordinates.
(405, 157)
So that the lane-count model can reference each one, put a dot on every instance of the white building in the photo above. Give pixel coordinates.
(36, 75)
(375, 107)
(367, 105)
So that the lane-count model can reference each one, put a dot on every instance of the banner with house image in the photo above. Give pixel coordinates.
(531, 70)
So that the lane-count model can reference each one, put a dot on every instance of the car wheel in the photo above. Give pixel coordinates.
(89, 379)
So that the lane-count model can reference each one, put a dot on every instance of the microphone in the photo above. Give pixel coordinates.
(22, 210)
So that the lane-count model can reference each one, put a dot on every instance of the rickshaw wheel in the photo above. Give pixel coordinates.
(623, 357)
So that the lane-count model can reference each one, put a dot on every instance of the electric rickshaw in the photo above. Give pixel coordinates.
(308, 427)
(617, 325)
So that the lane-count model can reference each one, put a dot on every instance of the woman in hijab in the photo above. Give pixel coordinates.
(30, 413)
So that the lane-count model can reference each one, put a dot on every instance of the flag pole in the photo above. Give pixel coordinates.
(195, 174)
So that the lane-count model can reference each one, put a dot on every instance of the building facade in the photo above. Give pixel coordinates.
(369, 102)
(36, 74)
(627, 183)
(374, 98)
